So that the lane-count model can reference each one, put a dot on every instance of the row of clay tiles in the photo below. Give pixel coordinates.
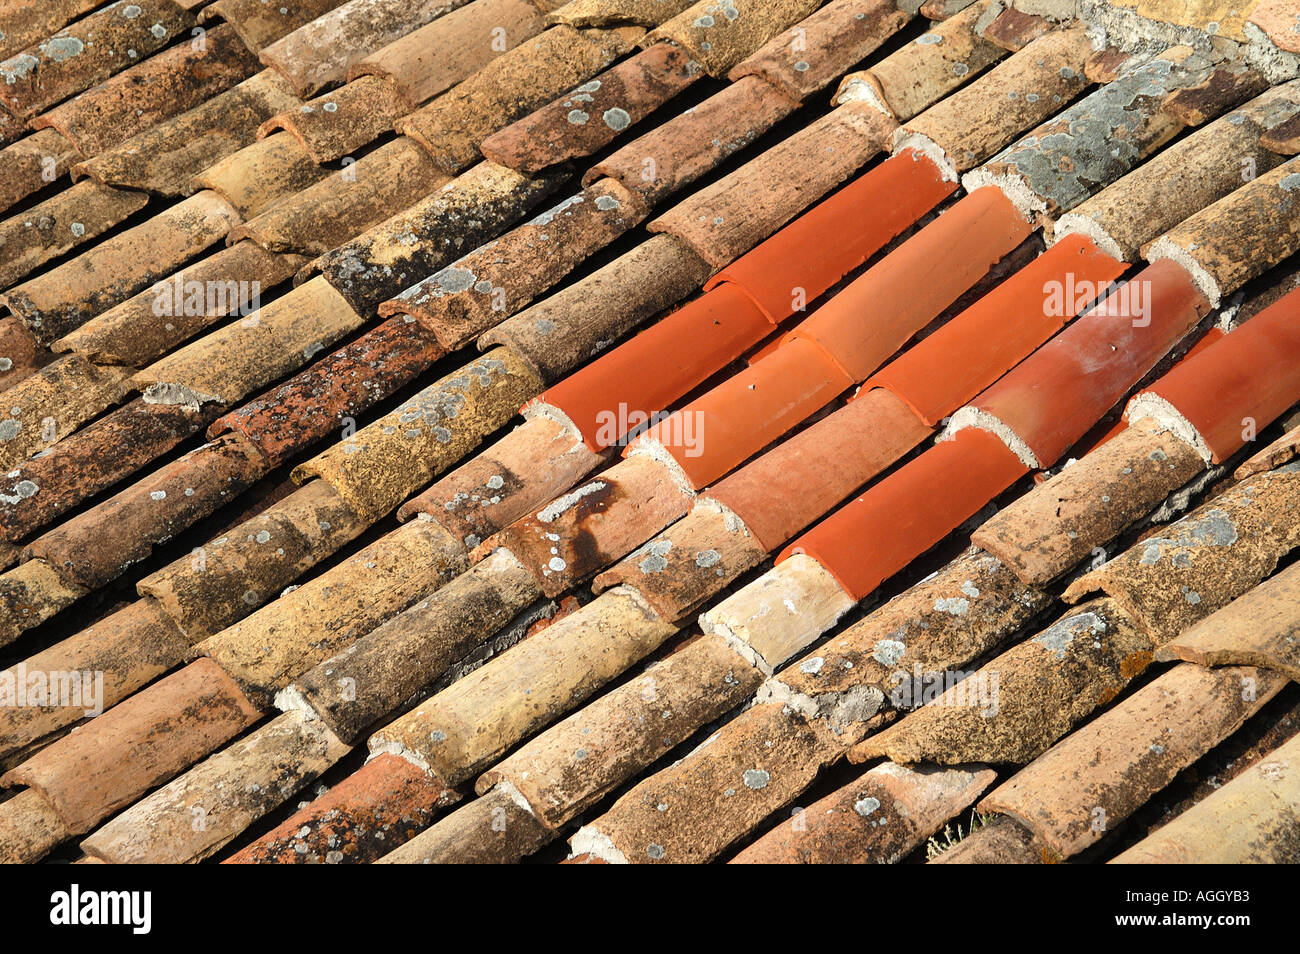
(153, 623)
(189, 388)
(467, 725)
(124, 620)
(497, 571)
(1186, 592)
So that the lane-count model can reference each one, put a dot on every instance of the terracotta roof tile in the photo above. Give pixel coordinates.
(62, 299)
(879, 817)
(165, 157)
(1248, 821)
(719, 35)
(132, 333)
(25, 22)
(694, 142)
(53, 402)
(822, 46)
(592, 115)
(593, 13)
(1111, 767)
(434, 58)
(917, 75)
(318, 53)
(343, 120)
(495, 829)
(137, 744)
(1181, 575)
(261, 173)
(261, 24)
(512, 85)
(87, 52)
(432, 233)
(61, 223)
(363, 818)
(162, 86)
(32, 163)
(470, 295)
(230, 790)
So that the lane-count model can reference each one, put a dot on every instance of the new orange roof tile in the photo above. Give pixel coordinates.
(910, 511)
(1052, 398)
(1242, 383)
(870, 319)
(998, 331)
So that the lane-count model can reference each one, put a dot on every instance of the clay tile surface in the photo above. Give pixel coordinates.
(470, 430)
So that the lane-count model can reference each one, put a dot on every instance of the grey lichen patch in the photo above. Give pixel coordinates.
(707, 558)
(61, 48)
(1290, 183)
(617, 119)
(607, 203)
(755, 779)
(866, 805)
(952, 604)
(889, 652)
(578, 117)
(163, 393)
(1063, 632)
(654, 556)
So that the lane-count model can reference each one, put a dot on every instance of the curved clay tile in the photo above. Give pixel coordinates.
(343, 120)
(845, 826)
(1233, 389)
(1052, 398)
(61, 223)
(722, 428)
(1222, 246)
(863, 216)
(134, 333)
(28, 167)
(261, 24)
(286, 637)
(695, 141)
(728, 217)
(510, 86)
(1256, 629)
(604, 13)
(248, 779)
(53, 402)
(260, 173)
(1251, 820)
(1183, 179)
(59, 300)
(718, 34)
(321, 399)
(996, 333)
(432, 233)
(437, 56)
(87, 52)
(1204, 561)
(391, 458)
(164, 85)
(1128, 754)
(92, 460)
(820, 466)
(912, 285)
(343, 203)
(563, 332)
(24, 22)
(137, 744)
(131, 647)
(802, 61)
(684, 348)
(166, 157)
(911, 510)
(474, 293)
(974, 122)
(385, 803)
(1061, 163)
(691, 687)
(922, 72)
(319, 52)
(589, 117)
